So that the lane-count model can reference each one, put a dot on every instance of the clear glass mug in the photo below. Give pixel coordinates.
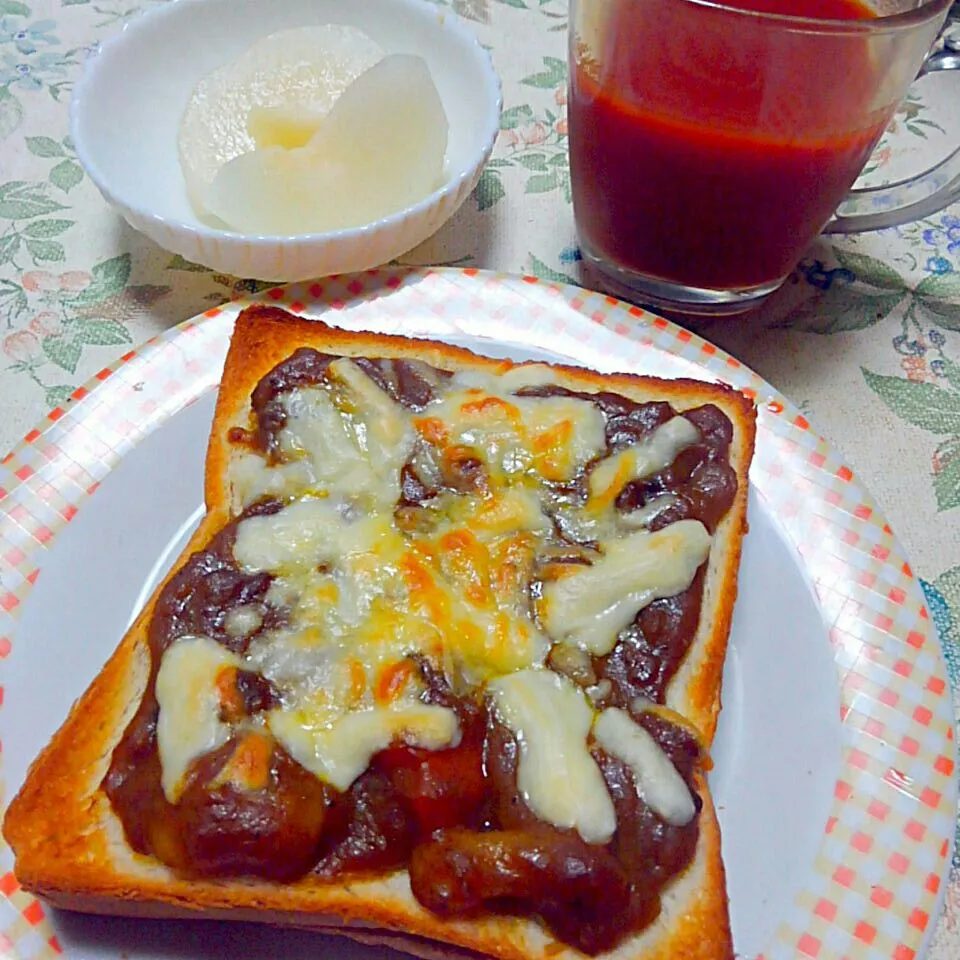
(709, 145)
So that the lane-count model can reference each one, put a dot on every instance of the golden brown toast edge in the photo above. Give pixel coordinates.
(69, 845)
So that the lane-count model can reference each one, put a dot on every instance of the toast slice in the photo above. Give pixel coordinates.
(72, 848)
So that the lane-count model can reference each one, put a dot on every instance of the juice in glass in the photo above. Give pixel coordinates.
(709, 146)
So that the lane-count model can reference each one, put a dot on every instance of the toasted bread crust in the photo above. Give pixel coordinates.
(69, 844)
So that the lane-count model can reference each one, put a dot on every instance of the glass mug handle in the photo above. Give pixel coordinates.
(873, 208)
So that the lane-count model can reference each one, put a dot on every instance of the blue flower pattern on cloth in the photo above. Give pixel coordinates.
(939, 265)
(24, 64)
(27, 38)
(946, 234)
(74, 293)
(817, 275)
(28, 72)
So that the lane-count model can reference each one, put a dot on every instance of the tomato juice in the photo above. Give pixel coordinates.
(706, 148)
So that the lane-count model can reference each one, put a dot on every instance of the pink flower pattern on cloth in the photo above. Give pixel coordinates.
(864, 339)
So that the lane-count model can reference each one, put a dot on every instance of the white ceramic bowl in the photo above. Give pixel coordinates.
(126, 111)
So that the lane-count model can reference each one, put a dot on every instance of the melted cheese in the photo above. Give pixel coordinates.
(502, 512)
(659, 784)
(315, 431)
(242, 621)
(516, 378)
(388, 431)
(188, 723)
(479, 627)
(305, 533)
(593, 604)
(252, 479)
(358, 589)
(645, 515)
(346, 437)
(506, 512)
(563, 433)
(558, 778)
(640, 460)
(553, 436)
(347, 450)
(337, 616)
(339, 752)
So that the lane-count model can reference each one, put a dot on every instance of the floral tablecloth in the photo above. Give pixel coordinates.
(865, 337)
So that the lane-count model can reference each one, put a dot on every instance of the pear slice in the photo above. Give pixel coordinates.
(275, 93)
(379, 149)
(284, 126)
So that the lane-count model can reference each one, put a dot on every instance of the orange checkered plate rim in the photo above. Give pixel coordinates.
(874, 885)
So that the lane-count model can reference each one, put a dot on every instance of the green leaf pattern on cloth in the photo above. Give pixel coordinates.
(925, 405)
(915, 295)
(865, 335)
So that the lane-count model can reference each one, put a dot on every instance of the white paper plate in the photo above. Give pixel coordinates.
(834, 758)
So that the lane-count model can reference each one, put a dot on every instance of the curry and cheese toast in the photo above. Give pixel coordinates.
(439, 669)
